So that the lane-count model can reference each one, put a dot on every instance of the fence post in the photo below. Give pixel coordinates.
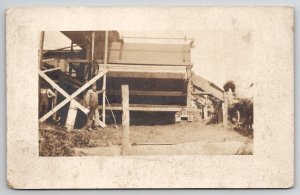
(205, 108)
(225, 110)
(125, 120)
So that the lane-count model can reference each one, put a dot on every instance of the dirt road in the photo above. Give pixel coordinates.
(176, 139)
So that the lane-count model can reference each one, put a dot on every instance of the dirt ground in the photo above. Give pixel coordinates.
(183, 138)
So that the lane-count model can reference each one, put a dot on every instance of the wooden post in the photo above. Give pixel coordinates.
(205, 112)
(103, 99)
(71, 116)
(93, 45)
(41, 48)
(54, 103)
(205, 109)
(93, 53)
(70, 69)
(125, 120)
(225, 110)
(189, 95)
(104, 78)
(42, 35)
(88, 67)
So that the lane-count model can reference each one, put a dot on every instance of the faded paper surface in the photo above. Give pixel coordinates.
(267, 58)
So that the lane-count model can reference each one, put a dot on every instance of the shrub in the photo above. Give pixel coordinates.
(62, 143)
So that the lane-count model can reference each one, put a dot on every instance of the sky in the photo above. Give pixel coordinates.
(217, 55)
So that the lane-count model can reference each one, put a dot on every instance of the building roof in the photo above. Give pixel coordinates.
(84, 37)
(207, 86)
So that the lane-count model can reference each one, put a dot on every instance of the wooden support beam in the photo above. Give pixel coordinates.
(205, 108)
(225, 110)
(238, 117)
(61, 91)
(144, 74)
(72, 113)
(76, 93)
(42, 36)
(72, 45)
(149, 93)
(125, 120)
(93, 53)
(88, 65)
(146, 108)
(189, 92)
(62, 49)
(85, 61)
(106, 48)
(70, 68)
(104, 78)
(103, 99)
(93, 45)
(54, 104)
(205, 114)
(50, 70)
(146, 71)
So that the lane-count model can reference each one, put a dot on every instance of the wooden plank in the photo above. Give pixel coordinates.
(148, 93)
(125, 120)
(86, 61)
(93, 45)
(153, 75)
(148, 67)
(76, 93)
(72, 113)
(146, 108)
(143, 71)
(50, 70)
(61, 91)
(162, 38)
(146, 71)
(149, 53)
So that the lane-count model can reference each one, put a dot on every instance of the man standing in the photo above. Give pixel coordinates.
(45, 95)
(91, 99)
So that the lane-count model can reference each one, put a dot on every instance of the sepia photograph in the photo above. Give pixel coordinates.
(142, 93)
(150, 97)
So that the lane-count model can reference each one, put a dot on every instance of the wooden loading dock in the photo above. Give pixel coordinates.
(159, 76)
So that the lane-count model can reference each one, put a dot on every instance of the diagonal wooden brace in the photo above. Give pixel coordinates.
(76, 93)
(61, 91)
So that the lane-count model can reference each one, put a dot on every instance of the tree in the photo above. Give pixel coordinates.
(229, 85)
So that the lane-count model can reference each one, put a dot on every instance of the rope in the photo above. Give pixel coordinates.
(111, 111)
